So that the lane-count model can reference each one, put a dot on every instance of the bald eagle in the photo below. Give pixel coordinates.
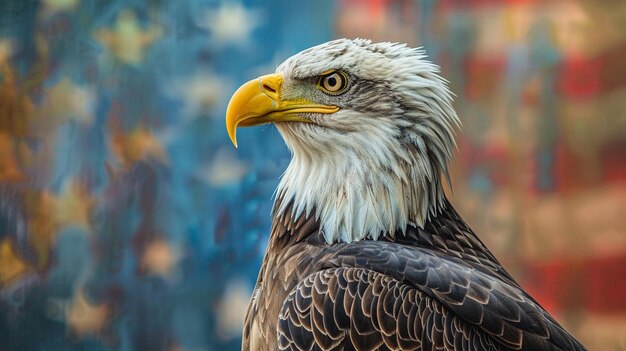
(365, 251)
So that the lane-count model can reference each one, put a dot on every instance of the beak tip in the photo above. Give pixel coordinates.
(231, 129)
(233, 139)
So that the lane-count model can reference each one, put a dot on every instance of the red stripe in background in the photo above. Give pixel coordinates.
(578, 78)
(483, 76)
(596, 285)
(447, 5)
(614, 162)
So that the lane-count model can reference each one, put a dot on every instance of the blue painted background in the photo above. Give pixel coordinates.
(125, 100)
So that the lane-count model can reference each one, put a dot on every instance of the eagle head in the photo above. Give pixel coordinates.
(371, 131)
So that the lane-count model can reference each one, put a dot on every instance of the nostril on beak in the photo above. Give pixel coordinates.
(269, 88)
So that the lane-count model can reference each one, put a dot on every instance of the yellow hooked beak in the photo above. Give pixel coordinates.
(259, 101)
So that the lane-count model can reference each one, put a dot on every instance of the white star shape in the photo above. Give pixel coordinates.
(6, 49)
(54, 6)
(232, 309)
(230, 24)
(225, 169)
(199, 93)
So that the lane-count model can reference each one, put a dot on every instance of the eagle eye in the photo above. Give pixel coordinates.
(333, 82)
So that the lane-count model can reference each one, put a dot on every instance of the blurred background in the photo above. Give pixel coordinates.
(129, 222)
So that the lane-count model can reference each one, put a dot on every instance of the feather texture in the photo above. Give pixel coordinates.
(382, 154)
(365, 252)
(431, 288)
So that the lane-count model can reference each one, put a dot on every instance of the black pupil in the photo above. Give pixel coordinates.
(332, 81)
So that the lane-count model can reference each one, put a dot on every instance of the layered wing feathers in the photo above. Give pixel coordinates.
(379, 295)
(358, 309)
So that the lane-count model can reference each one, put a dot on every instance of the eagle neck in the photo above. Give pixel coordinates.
(355, 197)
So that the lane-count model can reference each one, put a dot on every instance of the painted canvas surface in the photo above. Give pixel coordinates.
(129, 222)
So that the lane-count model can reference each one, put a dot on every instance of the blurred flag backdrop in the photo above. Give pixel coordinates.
(129, 222)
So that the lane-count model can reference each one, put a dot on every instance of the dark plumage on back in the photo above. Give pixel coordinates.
(415, 293)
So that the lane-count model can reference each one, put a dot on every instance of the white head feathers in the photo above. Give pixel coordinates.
(374, 166)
